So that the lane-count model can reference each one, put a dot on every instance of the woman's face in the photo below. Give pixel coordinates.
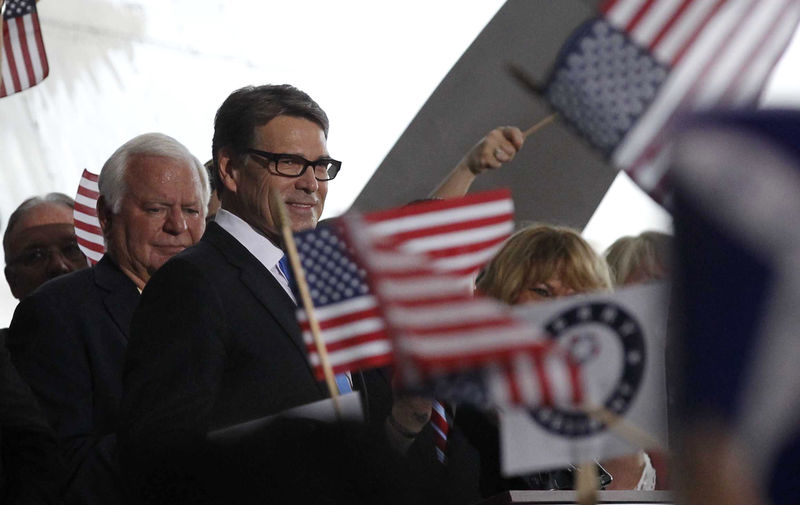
(543, 291)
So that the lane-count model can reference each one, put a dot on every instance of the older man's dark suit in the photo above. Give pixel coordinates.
(214, 342)
(68, 342)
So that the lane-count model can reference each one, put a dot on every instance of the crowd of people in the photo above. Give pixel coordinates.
(116, 377)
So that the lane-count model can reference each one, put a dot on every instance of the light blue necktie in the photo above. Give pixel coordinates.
(342, 382)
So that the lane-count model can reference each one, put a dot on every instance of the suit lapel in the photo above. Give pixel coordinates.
(120, 293)
(259, 281)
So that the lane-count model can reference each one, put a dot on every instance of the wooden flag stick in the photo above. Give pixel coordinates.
(538, 126)
(586, 487)
(302, 286)
(625, 430)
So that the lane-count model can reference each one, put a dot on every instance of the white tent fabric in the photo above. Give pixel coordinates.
(124, 67)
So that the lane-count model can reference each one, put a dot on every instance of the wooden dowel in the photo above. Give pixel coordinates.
(308, 306)
(541, 124)
(586, 487)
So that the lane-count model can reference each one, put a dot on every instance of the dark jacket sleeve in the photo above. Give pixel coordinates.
(45, 345)
(31, 469)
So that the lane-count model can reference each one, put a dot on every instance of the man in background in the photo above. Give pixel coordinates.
(68, 339)
(39, 243)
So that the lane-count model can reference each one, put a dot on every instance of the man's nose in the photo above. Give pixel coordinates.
(307, 182)
(57, 264)
(175, 223)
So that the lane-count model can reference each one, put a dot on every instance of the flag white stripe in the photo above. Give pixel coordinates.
(559, 380)
(763, 63)
(89, 237)
(16, 49)
(444, 313)
(93, 255)
(678, 84)
(90, 185)
(463, 261)
(654, 20)
(483, 339)
(9, 84)
(622, 13)
(458, 238)
(424, 287)
(358, 304)
(526, 379)
(85, 218)
(497, 386)
(347, 331)
(85, 200)
(442, 217)
(355, 353)
(33, 47)
(730, 59)
(683, 29)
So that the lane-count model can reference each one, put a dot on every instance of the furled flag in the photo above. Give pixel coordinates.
(456, 236)
(623, 78)
(23, 62)
(87, 226)
(618, 341)
(737, 205)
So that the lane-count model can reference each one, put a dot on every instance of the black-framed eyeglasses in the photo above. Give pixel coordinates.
(38, 256)
(292, 165)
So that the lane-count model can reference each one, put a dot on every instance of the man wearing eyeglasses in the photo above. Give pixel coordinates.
(40, 243)
(215, 341)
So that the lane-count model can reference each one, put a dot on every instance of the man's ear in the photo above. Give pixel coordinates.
(11, 278)
(228, 173)
(104, 215)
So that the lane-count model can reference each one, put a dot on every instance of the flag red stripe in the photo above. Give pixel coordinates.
(373, 361)
(89, 176)
(91, 245)
(634, 22)
(86, 210)
(513, 386)
(690, 41)
(40, 45)
(26, 54)
(457, 328)
(740, 73)
(83, 225)
(400, 238)
(88, 193)
(668, 26)
(467, 248)
(449, 362)
(426, 207)
(575, 381)
(11, 61)
(544, 383)
(607, 6)
(344, 319)
(351, 341)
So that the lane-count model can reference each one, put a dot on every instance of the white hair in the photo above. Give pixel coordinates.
(111, 182)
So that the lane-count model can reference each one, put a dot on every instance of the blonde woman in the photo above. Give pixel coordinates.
(538, 263)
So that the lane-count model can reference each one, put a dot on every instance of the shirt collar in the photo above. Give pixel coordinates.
(259, 246)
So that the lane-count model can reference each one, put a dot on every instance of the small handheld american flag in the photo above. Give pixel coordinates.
(23, 62)
(87, 225)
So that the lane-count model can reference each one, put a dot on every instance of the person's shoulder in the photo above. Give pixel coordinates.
(64, 288)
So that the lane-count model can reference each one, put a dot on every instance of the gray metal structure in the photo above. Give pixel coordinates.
(555, 178)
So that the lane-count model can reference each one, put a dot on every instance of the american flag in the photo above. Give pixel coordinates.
(455, 236)
(440, 330)
(23, 60)
(87, 226)
(624, 77)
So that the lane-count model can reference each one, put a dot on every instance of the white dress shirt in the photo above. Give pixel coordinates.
(259, 246)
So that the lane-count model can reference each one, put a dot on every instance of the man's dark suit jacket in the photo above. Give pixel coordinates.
(30, 468)
(214, 342)
(68, 341)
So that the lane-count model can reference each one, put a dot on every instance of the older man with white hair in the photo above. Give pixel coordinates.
(68, 339)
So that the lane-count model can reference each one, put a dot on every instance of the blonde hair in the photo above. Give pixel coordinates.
(648, 253)
(539, 253)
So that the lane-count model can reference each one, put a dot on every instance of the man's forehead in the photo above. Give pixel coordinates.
(45, 213)
(43, 235)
